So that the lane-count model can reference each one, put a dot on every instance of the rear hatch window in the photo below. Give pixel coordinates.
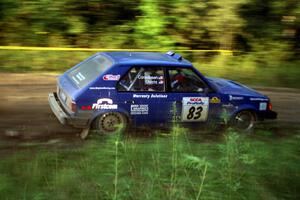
(89, 70)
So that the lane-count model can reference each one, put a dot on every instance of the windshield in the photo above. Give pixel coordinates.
(87, 71)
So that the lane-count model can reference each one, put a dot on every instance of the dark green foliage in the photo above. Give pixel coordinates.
(264, 34)
(199, 24)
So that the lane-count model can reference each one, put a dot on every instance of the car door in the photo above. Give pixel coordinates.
(192, 98)
(141, 92)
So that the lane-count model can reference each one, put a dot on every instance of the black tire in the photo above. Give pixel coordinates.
(110, 123)
(244, 121)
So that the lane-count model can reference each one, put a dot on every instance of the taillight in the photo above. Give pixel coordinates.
(73, 106)
(270, 106)
(86, 107)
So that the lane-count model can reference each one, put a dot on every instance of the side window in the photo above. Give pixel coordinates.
(185, 80)
(140, 79)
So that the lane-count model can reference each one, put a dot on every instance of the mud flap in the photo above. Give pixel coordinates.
(84, 133)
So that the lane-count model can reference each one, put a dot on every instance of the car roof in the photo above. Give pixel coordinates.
(148, 58)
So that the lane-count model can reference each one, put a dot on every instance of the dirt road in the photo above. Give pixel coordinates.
(24, 109)
(25, 113)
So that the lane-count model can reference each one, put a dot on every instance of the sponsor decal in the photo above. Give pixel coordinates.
(148, 96)
(262, 106)
(111, 77)
(101, 88)
(149, 77)
(152, 80)
(159, 96)
(104, 103)
(144, 96)
(194, 109)
(235, 98)
(78, 78)
(258, 99)
(215, 100)
(139, 109)
(194, 101)
(74, 79)
(229, 105)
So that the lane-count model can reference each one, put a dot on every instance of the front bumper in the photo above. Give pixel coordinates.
(267, 115)
(62, 116)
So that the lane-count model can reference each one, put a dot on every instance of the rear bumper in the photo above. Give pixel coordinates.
(267, 115)
(62, 116)
(57, 109)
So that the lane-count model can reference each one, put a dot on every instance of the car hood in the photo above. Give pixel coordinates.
(233, 88)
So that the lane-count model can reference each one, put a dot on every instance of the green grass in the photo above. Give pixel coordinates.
(164, 166)
(40, 61)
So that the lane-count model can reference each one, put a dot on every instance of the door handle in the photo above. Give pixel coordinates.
(129, 102)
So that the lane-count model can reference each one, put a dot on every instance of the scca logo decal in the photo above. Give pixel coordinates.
(195, 101)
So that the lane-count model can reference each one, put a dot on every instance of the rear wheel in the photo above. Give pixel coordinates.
(110, 123)
(244, 121)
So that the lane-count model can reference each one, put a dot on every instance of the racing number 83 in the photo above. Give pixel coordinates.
(194, 112)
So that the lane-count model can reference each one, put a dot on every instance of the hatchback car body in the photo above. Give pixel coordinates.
(145, 88)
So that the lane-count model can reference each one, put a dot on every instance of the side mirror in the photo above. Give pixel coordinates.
(203, 90)
(200, 90)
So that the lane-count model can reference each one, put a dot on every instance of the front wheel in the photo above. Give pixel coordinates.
(111, 122)
(244, 121)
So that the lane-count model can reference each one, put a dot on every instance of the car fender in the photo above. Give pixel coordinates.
(241, 107)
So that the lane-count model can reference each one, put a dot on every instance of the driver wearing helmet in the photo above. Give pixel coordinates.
(178, 80)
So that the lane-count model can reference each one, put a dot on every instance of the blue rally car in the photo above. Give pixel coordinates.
(143, 88)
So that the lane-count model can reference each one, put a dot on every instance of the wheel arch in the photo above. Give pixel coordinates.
(101, 112)
(250, 108)
(233, 122)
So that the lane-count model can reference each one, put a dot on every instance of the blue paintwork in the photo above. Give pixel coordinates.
(233, 97)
